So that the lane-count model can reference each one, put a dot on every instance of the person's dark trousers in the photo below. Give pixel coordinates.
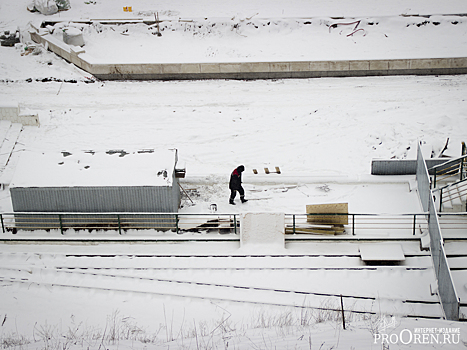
(233, 193)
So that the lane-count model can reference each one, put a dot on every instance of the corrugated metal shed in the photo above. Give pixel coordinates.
(400, 166)
(87, 182)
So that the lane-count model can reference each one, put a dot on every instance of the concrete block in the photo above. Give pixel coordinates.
(459, 62)
(121, 68)
(359, 65)
(66, 56)
(399, 64)
(229, 67)
(441, 63)
(299, 66)
(31, 120)
(76, 50)
(191, 68)
(171, 68)
(249, 67)
(101, 68)
(417, 64)
(379, 65)
(262, 229)
(9, 110)
(279, 66)
(339, 65)
(145, 68)
(319, 66)
(210, 68)
(74, 56)
(430, 63)
(73, 36)
(85, 65)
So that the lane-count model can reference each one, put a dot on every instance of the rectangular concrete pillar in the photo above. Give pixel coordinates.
(262, 230)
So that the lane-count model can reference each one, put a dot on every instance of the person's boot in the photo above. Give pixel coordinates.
(243, 199)
(231, 201)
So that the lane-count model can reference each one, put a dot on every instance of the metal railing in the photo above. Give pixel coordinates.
(120, 222)
(410, 224)
(452, 192)
(446, 288)
(453, 168)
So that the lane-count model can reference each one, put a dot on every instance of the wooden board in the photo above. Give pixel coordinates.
(332, 208)
(316, 230)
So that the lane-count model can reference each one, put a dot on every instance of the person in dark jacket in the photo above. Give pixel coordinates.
(235, 185)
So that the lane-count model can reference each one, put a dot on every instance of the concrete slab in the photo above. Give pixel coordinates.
(399, 64)
(459, 62)
(250, 70)
(229, 67)
(279, 66)
(379, 65)
(381, 252)
(249, 67)
(339, 65)
(171, 68)
(210, 68)
(299, 66)
(190, 68)
(359, 65)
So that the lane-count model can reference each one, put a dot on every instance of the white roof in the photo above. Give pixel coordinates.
(87, 168)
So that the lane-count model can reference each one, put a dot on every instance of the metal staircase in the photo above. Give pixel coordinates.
(449, 182)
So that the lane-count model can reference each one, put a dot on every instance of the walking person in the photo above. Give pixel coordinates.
(235, 185)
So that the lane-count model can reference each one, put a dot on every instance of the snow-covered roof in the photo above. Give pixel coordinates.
(89, 168)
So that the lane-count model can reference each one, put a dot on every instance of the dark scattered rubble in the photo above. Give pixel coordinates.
(9, 39)
(50, 79)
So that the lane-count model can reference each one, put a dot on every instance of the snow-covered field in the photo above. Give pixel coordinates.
(322, 133)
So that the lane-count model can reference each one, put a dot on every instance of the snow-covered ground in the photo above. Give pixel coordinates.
(266, 39)
(322, 133)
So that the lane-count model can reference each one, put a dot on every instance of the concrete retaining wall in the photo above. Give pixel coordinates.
(251, 70)
(11, 112)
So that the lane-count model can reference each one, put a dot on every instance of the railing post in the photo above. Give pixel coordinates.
(353, 224)
(440, 200)
(462, 170)
(434, 180)
(3, 226)
(414, 220)
(119, 225)
(235, 224)
(293, 223)
(176, 223)
(61, 223)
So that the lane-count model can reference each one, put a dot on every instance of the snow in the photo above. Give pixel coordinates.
(265, 40)
(112, 168)
(322, 133)
(381, 252)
